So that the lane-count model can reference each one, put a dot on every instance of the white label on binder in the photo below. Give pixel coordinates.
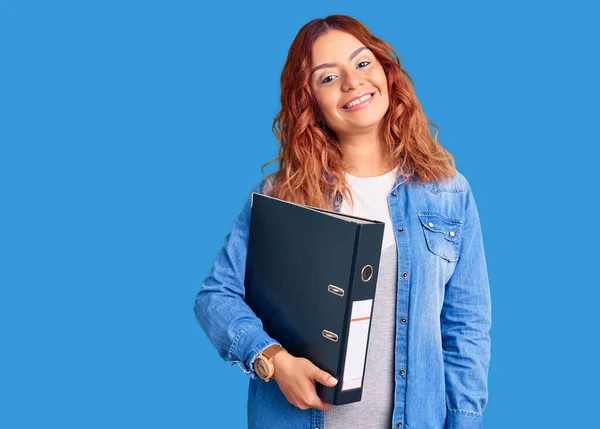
(360, 318)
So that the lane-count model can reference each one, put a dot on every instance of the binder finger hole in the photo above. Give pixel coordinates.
(366, 273)
(330, 335)
(335, 290)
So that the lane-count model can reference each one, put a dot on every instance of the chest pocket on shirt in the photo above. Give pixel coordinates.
(442, 234)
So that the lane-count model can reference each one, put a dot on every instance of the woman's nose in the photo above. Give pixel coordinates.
(351, 81)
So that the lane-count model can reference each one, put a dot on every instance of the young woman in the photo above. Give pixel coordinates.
(354, 139)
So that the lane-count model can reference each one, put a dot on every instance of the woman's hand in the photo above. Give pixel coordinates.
(296, 378)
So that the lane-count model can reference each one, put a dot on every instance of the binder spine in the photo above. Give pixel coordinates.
(359, 310)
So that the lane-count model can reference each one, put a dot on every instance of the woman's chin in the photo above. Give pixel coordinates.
(367, 121)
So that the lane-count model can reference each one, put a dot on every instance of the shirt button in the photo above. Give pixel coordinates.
(400, 229)
(430, 224)
(404, 274)
(403, 320)
(402, 372)
(452, 233)
(399, 424)
(394, 194)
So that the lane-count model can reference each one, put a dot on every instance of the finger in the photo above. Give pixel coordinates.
(316, 402)
(323, 406)
(325, 378)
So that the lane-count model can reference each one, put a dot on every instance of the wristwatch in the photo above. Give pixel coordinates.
(263, 365)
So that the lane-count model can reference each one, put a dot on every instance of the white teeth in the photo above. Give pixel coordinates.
(355, 102)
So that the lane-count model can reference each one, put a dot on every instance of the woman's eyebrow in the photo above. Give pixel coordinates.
(325, 65)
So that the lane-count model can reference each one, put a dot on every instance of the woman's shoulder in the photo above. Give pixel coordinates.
(263, 186)
(457, 183)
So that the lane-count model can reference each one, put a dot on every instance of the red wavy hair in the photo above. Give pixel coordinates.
(309, 151)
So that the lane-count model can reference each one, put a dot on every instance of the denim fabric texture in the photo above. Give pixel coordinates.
(443, 313)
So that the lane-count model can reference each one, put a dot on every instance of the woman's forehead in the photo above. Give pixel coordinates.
(334, 44)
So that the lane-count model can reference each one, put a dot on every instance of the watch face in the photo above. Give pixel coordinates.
(261, 368)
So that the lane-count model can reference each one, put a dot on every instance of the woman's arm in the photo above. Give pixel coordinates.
(466, 320)
(230, 324)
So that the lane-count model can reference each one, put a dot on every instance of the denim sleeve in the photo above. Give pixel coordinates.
(466, 320)
(230, 324)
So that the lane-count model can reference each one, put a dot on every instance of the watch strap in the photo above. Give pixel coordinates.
(271, 351)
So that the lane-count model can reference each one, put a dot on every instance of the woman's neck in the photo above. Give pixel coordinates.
(364, 159)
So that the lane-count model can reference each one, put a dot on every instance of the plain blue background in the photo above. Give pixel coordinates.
(131, 132)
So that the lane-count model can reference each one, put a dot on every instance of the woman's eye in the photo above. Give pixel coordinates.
(327, 80)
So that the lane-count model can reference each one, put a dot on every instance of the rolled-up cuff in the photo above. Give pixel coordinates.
(246, 347)
(462, 419)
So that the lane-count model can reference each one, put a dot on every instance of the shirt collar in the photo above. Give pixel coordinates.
(400, 178)
(337, 202)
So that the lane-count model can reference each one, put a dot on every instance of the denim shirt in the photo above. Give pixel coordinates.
(443, 313)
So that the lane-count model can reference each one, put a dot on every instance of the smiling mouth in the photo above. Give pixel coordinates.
(358, 101)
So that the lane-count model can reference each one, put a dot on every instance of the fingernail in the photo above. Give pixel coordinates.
(332, 380)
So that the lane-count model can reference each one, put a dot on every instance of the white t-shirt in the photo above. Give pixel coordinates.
(376, 408)
(371, 201)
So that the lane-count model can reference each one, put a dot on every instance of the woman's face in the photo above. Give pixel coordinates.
(342, 70)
